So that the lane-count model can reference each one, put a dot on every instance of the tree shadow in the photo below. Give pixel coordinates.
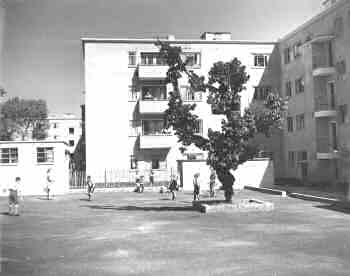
(336, 207)
(142, 208)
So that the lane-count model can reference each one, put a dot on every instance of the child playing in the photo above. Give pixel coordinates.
(90, 187)
(14, 192)
(173, 186)
(49, 182)
(196, 186)
(212, 184)
(142, 184)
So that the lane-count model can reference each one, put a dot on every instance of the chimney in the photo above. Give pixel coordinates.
(216, 36)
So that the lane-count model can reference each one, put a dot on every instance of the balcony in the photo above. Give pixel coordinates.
(322, 39)
(150, 72)
(324, 109)
(323, 71)
(322, 59)
(153, 106)
(156, 141)
(326, 149)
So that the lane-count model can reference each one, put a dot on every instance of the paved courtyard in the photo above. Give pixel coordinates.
(147, 234)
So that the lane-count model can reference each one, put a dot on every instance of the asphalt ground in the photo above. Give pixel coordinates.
(123, 233)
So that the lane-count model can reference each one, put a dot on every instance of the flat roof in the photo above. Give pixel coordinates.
(315, 18)
(176, 41)
(34, 142)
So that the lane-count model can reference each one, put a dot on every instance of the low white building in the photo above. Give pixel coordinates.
(30, 161)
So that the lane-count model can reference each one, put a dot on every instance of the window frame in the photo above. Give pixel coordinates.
(300, 121)
(132, 56)
(291, 159)
(290, 124)
(12, 160)
(265, 60)
(289, 89)
(46, 159)
(300, 85)
(133, 162)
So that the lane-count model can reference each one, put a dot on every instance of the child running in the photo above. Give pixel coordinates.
(14, 193)
(196, 187)
(90, 187)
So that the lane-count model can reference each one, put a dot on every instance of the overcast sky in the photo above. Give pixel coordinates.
(42, 49)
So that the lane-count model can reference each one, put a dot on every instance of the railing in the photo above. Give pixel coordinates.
(322, 104)
(119, 178)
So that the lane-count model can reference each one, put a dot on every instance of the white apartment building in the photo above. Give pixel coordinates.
(126, 97)
(65, 127)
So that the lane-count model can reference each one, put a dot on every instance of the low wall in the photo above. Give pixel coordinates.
(255, 173)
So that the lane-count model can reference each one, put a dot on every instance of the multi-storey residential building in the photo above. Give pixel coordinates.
(65, 127)
(126, 97)
(315, 77)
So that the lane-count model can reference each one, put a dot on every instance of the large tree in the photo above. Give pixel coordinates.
(24, 118)
(231, 146)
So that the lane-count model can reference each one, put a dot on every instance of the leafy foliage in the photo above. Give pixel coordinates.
(232, 145)
(21, 116)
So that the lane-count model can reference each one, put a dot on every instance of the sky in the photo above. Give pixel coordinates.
(42, 56)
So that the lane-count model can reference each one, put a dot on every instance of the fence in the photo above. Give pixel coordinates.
(117, 178)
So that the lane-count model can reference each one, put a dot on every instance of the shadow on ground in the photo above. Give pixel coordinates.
(335, 207)
(142, 208)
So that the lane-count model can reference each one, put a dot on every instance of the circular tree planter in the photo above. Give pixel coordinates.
(243, 205)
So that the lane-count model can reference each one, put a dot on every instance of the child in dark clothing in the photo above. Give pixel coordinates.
(90, 187)
(173, 186)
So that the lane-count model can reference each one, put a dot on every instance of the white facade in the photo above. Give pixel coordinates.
(65, 127)
(122, 124)
(30, 161)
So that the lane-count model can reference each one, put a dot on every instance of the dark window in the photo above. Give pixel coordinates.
(300, 121)
(287, 55)
(339, 27)
(343, 113)
(199, 127)
(155, 164)
(152, 59)
(290, 124)
(291, 159)
(193, 59)
(55, 125)
(297, 50)
(260, 60)
(132, 58)
(299, 85)
(45, 155)
(71, 130)
(288, 88)
(8, 155)
(71, 143)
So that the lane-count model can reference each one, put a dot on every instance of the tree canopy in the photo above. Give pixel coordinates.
(23, 117)
(225, 82)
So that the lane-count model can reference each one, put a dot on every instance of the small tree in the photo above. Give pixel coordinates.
(20, 116)
(231, 146)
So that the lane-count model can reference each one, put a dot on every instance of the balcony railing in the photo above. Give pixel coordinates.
(156, 141)
(324, 109)
(153, 71)
(153, 106)
(326, 149)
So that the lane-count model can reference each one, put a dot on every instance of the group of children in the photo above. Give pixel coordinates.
(14, 189)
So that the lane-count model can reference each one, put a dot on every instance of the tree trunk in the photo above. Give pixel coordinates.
(227, 180)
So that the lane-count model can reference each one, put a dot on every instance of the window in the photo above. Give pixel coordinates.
(158, 164)
(341, 67)
(299, 85)
(71, 130)
(134, 127)
(133, 162)
(297, 50)
(300, 121)
(154, 93)
(154, 128)
(188, 95)
(45, 155)
(55, 125)
(287, 55)
(302, 156)
(8, 156)
(290, 124)
(198, 129)
(71, 143)
(152, 59)
(55, 137)
(261, 92)
(338, 27)
(288, 89)
(291, 159)
(260, 60)
(193, 59)
(133, 94)
(343, 113)
(132, 58)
